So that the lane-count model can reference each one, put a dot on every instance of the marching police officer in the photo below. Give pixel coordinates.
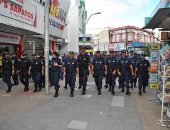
(16, 62)
(111, 64)
(125, 69)
(99, 69)
(134, 63)
(42, 59)
(55, 65)
(143, 71)
(37, 70)
(70, 69)
(24, 71)
(83, 64)
(7, 71)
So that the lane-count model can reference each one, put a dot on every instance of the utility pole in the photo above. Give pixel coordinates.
(46, 47)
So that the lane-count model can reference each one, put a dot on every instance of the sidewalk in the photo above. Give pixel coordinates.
(28, 111)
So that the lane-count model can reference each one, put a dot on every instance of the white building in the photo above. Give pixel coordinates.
(101, 41)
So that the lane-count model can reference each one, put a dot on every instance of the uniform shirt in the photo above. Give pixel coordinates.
(124, 64)
(36, 65)
(98, 64)
(71, 65)
(83, 61)
(16, 62)
(7, 64)
(143, 66)
(24, 64)
(111, 63)
(134, 62)
(55, 68)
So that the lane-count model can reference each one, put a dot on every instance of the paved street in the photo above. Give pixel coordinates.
(28, 111)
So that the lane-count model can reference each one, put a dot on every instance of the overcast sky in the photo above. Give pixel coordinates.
(116, 13)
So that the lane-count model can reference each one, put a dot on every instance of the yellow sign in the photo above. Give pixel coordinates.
(155, 46)
(154, 86)
(88, 51)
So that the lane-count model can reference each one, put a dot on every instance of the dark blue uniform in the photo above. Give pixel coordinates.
(16, 62)
(134, 78)
(83, 64)
(7, 72)
(23, 75)
(99, 69)
(142, 69)
(111, 63)
(36, 69)
(124, 68)
(55, 73)
(42, 59)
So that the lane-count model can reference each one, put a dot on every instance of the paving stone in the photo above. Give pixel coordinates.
(117, 101)
(78, 125)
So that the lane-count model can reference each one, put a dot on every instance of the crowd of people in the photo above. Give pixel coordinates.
(127, 68)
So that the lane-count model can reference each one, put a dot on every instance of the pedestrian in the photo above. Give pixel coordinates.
(143, 71)
(134, 61)
(23, 71)
(42, 59)
(37, 70)
(16, 62)
(71, 69)
(99, 70)
(55, 66)
(111, 65)
(106, 77)
(83, 64)
(124, 70)
(7, 71)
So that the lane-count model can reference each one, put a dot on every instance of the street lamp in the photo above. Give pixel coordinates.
(84, 26)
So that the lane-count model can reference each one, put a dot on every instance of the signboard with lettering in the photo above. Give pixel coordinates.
(9, 38)
(20, 10)
(153, 78)
(155, 46)
(57, 18)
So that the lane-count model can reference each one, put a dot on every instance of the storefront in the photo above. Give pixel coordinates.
(17, 19)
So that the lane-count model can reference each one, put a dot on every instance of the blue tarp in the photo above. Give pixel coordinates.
(138, 45)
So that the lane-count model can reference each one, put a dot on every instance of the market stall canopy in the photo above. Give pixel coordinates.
(160, 20)
(138, 45)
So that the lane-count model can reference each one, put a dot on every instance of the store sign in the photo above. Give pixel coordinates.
(9, 38)
(153, 78)
(19, 10)
(155, 46)
(154, 86)
(57, 18)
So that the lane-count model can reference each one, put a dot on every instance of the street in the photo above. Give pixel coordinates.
(37, 111)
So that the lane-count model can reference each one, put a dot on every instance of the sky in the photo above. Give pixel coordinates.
(117, 13)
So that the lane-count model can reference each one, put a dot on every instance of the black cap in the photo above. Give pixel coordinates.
(98, 52)
(123, 52)
(111, 51)
(71, 52)
(143, 54)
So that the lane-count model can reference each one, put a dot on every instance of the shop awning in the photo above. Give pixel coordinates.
(160, 20)
(138, 45)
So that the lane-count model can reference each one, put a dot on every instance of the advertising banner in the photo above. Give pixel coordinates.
(20, 10)
(153, 78)
(57, 18)
(9, 38)
(154, 56)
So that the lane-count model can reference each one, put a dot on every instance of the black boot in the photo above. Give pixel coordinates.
(56, 94)
(9, 90)
(83, 92)
(135, 85)
(109, 89)
(123, 90)
(113, 91)
(106, 86)
(99, 92)
(140, 92)
(65, 86)
(132, 86)
(71, 93)
(26, 89)
(79, 87)
(144, 91)
(40, 88)
(128, 93)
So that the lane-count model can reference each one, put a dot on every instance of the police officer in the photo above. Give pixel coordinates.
(55, 65)
(24, 71)
(16, 62)
(37, 70)
(106, 77)
(7, 71)
(99, 70)
(42, 59)
(111, 64)
(70, 69)
(83, 64)
(134, 63)
(125, 69)
(143, 71)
